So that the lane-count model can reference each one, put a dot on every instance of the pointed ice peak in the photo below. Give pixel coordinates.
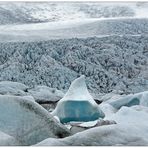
(77, 104)
(78, 85)
(78, 91)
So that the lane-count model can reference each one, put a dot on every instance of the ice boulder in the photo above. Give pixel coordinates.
(131, 130)
(130, 100)
(77, 104)
(13, 88)
(45, 94)
(7, 140)
(27, 121)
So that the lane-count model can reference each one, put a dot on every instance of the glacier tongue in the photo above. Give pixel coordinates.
(77, 104)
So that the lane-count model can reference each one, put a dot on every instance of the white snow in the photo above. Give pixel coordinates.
(47, 26)
(72, 29)
(89, 124)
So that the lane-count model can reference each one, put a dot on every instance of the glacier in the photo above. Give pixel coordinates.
(109, 63)
(101, 48)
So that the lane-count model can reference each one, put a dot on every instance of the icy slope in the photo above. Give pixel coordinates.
(27, 121)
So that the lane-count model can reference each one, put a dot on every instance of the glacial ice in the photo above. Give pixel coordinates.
(7, 140)
(13, 88)
(128, 131)
(130, 100)
(27, 121)
(77, 104)
(44, 93)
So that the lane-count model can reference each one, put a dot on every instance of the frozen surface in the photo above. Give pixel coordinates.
(107, 109)
(117, 134)
(13, 88)
(45, 94)
(89, 124)
(130, 100)
(109, 63)
(77, 104)
(78, 91)
(7, 140)
(45, 46)
(27, 121)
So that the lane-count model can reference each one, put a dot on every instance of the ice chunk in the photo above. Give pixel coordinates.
(107, 109)
(77, 104)
(27, 121)
(28, 98)
(45, 94)
(13, 88)
(89, 124)
(131, 100)
(7, 140)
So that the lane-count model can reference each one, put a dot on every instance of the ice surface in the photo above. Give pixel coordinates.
(130, 100)
(13, 88)
(44, 94)
(127, 131)
(107, 43)
(78, 91)
(107, 109)
(89, 124)
(58, 62)
(77, 104)
(73, 29)
(7, 140)
(27, 121)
